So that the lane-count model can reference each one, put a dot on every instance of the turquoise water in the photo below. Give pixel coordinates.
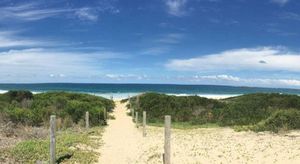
(124, 90)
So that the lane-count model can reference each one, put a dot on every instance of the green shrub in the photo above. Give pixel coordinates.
(22, 116)
(25, 108)
(247, 112)
(124, 100)
(18, 95)
(243, 113)
(280, 120)
(253, 108)
(182, 109)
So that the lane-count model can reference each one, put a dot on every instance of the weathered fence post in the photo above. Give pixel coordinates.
(129, 103)
(144, 124)
(105, 114)
(132, 114)
(136, 119)
(138, 102)
(52, 139)
(130, 107)
(167, 147)
(87, 120)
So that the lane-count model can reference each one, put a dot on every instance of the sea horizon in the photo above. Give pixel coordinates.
(124, 90)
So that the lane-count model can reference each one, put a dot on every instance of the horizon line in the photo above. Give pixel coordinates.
(85, 83)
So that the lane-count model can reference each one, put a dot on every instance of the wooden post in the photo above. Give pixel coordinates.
(138, 102)
(129, 102)
(130, 106)
(87, 120)
(144, 124)
(136, 119)
(52, 139)
(132, 114)
(137, 107)
(167, 154)
(104, 114)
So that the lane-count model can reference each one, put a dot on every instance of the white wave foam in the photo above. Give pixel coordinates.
(210, 96)
(3, 91)
(120, 96)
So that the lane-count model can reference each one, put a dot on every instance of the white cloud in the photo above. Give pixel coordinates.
(34, 11)
(271, 82)
(87, 13)
(11, 39)
(155, 51)
(280, 2)
(176, 7)
(41, 64)
(257, 59)
(30, 12)
(234, 80)
(291, 82)
(120, 77)
(57, 75)
(171, 38)
(219, 77)
(290, 16)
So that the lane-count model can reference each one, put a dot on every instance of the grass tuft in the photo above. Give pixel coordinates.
(68, 142)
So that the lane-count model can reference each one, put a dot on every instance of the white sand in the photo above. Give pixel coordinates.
(125, 144)
(121, 139)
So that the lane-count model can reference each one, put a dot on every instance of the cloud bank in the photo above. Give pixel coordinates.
(256, 59)
(30, 65)
(266, 82)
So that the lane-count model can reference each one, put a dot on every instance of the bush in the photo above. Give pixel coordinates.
(22, 116)
(25, 108)
(280, 120)
(252, 111)
(253, 108)
(243, 113)
(183, 109)
(19, 95)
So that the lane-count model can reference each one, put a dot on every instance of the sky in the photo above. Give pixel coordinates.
(216, 42)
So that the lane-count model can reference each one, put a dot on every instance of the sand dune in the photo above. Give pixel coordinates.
(123, 143)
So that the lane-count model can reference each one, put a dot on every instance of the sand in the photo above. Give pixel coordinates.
(121, 139)
(123, 143)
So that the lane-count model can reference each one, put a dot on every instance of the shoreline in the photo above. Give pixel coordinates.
(120, 96)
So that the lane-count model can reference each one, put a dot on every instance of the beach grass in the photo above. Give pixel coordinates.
(76, 144)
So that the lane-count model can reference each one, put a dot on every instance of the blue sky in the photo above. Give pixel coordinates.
(237, 42)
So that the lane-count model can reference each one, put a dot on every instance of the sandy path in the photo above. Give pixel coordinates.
(121, 139)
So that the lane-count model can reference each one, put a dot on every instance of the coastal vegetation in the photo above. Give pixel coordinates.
(73, 146)
(24, 123)
(258, 112)
(23, 107)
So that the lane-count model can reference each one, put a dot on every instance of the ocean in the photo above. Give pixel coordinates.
(120, 91)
